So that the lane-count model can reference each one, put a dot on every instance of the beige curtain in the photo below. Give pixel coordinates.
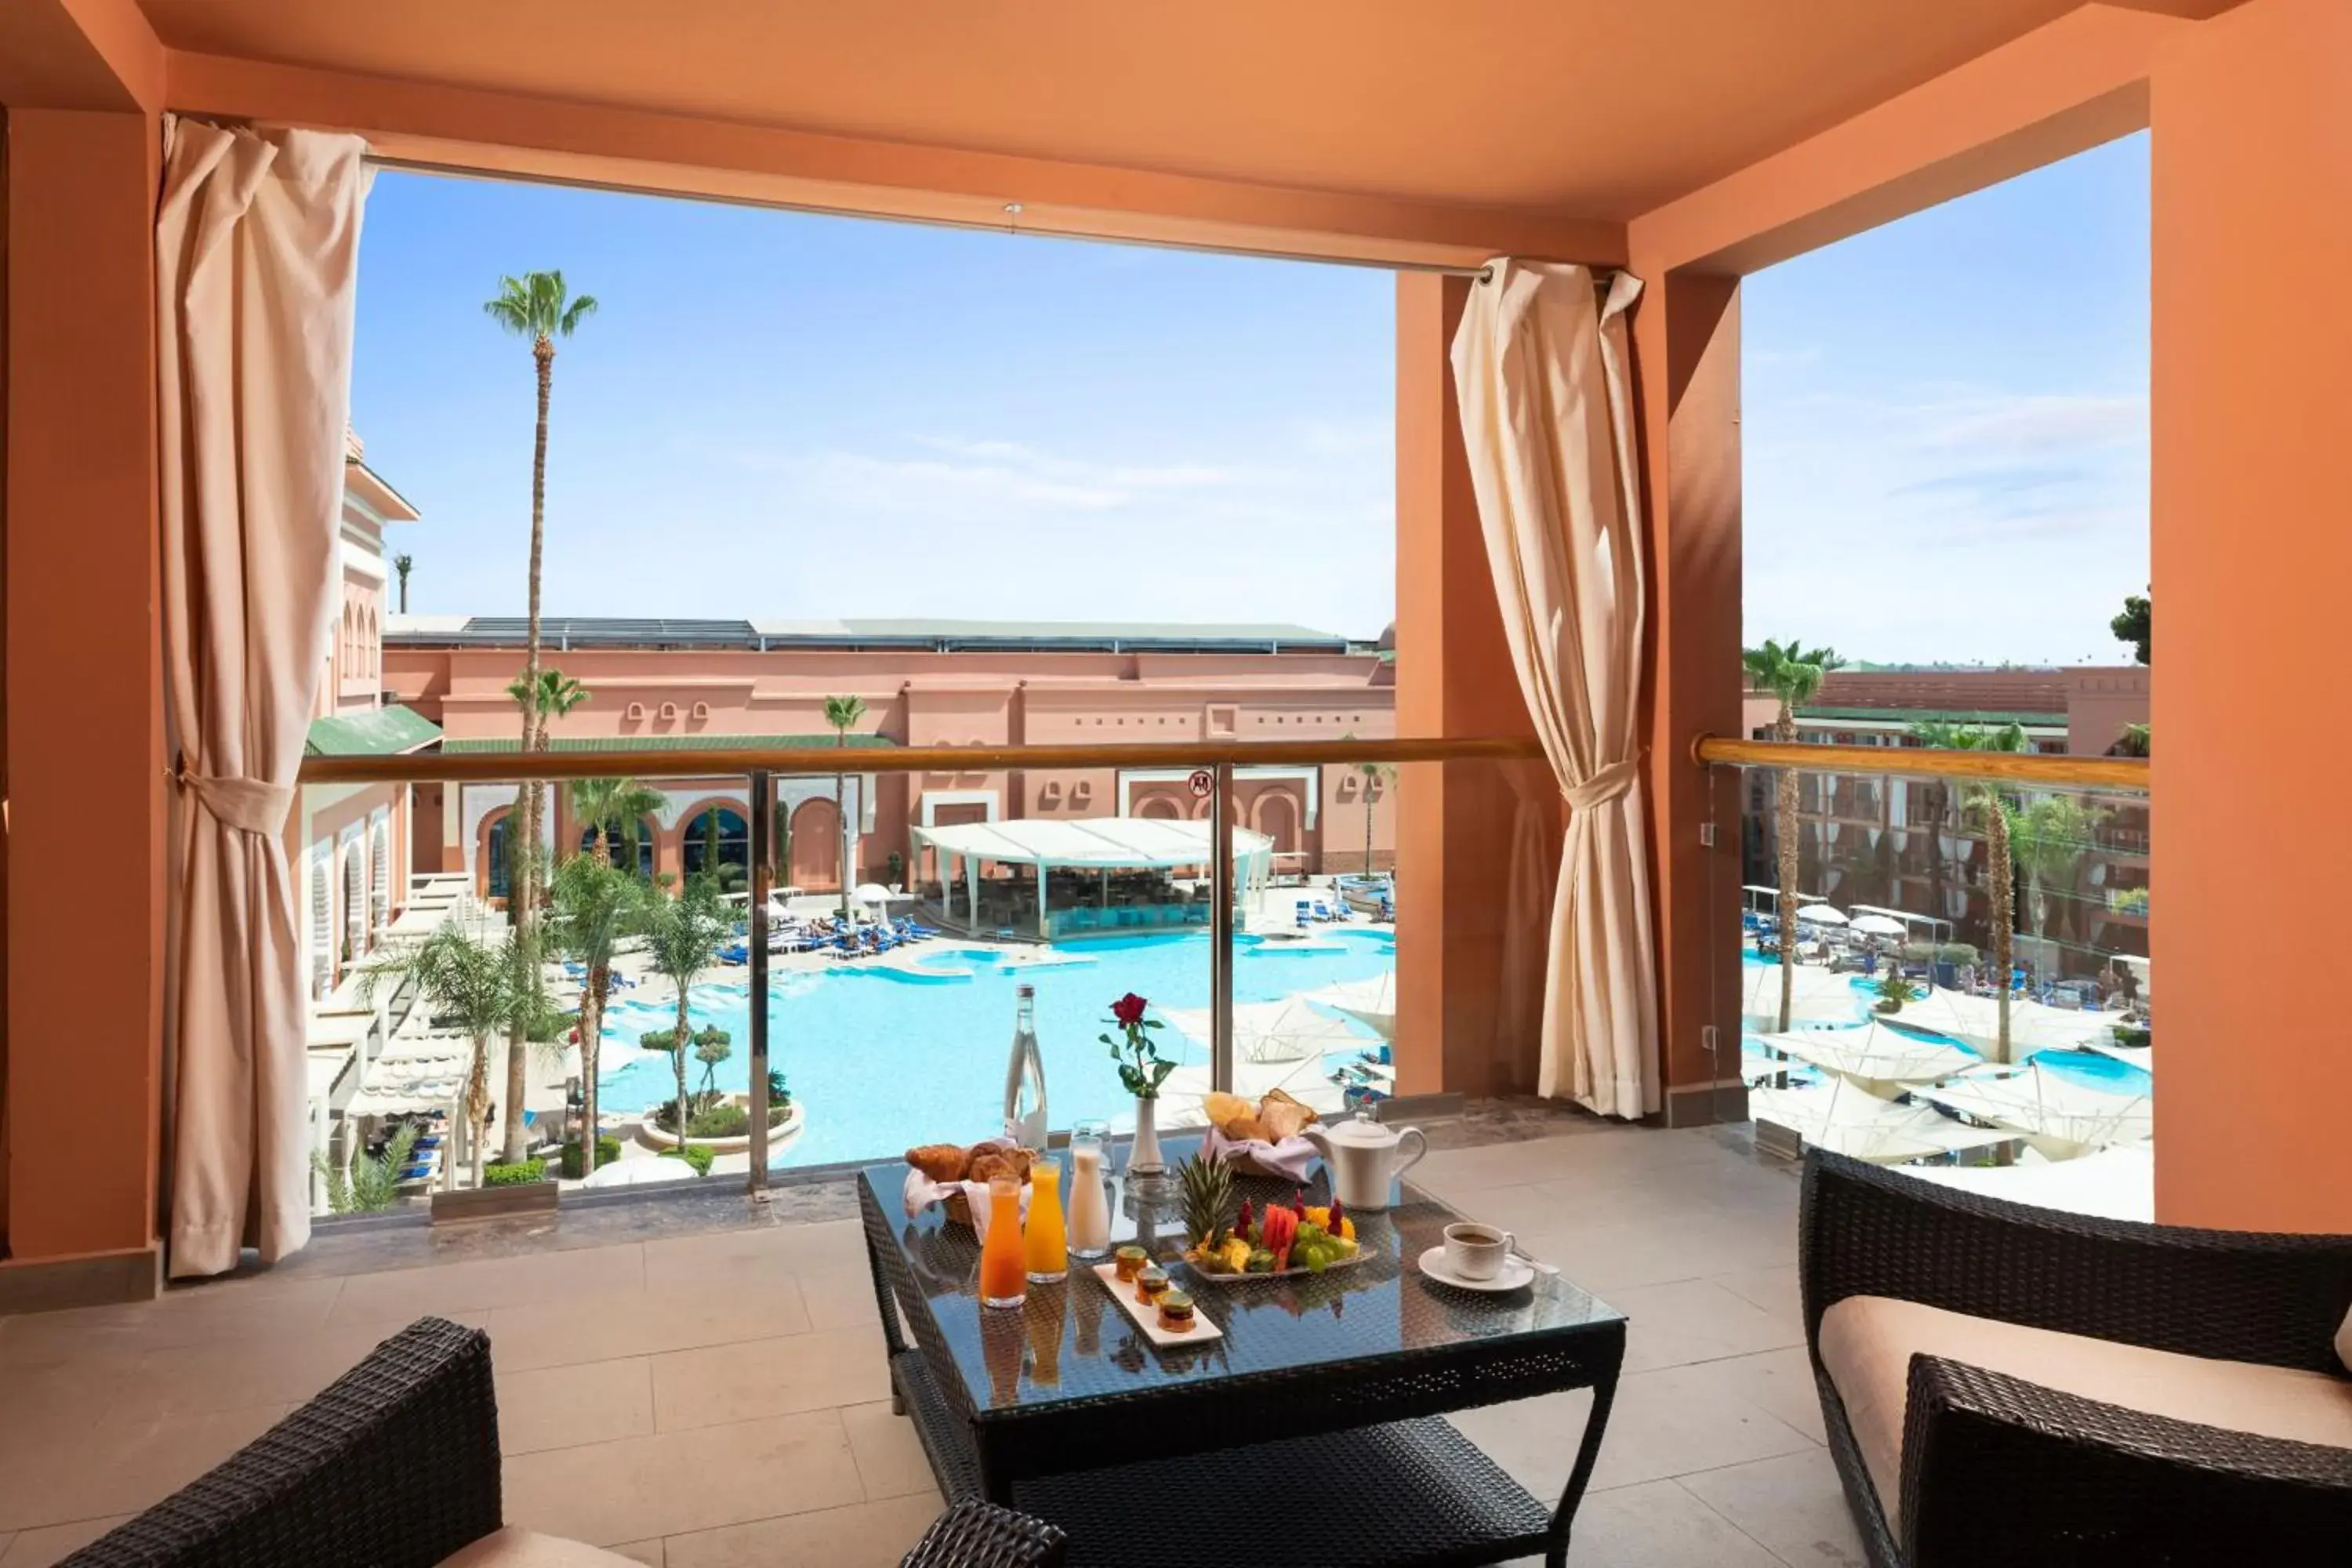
(257, 251)
(1544, 377)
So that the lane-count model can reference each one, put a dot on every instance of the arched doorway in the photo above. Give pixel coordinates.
(717, 840)
(1159, 808)
(816, 845)
(1277, 818)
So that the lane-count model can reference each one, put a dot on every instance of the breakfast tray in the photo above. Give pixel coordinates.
(1148, 1318)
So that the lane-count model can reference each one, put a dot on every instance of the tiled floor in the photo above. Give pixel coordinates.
(717, 1398)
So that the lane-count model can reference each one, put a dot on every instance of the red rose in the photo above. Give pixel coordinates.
(1128, 1009)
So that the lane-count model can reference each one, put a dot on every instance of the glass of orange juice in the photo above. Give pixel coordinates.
(1046, 1241)
(1003, 1272)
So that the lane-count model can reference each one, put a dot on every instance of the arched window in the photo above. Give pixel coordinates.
(616, 844)
(1159, 808)
(497, 857)
(717, 839)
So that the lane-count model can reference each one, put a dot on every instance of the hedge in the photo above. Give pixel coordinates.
(608, 1149)
(515, 1174)
(694, 1154)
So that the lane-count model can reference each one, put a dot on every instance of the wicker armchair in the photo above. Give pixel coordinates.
(1996, 1469)
(396, 1466)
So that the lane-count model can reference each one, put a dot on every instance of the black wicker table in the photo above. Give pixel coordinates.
(1312, 1431)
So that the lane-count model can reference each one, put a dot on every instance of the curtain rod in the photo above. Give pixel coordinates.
(1013, 212)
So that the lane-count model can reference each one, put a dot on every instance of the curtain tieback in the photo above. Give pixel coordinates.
(248, 805)
(1605, 784)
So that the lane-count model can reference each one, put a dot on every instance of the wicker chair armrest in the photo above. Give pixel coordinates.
(1998, 1469)
(975, 1534)
(395, 1465)
(2234, 1296)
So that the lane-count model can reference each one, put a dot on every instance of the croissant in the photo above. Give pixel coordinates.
(940, 1162)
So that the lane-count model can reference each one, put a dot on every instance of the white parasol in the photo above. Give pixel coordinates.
(1876, 925)
(1873, 1054)
(1843, 1118)
(2060, 1116)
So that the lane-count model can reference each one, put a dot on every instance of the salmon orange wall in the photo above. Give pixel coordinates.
(2251, 412)
(85, 734)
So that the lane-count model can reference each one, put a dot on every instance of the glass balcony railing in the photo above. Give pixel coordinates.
(728, 976)
(1958, 979)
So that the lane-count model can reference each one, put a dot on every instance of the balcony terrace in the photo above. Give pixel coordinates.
(700, 1383)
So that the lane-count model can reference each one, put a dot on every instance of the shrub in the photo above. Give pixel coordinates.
(694, 1156)
(374, 1182)
(714, 1120)
(515, 1174)
(1956, 952)
(608, 1149)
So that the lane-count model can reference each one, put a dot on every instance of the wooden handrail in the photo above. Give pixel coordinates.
(1927, 761)
(502, 767)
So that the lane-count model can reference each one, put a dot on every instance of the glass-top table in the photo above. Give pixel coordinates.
(1062, 1408)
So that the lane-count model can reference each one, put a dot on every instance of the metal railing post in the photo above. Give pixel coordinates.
(762, 816)
(1221, 930)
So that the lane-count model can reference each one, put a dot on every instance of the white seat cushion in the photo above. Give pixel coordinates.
(1867, 1343)
(514, 1548)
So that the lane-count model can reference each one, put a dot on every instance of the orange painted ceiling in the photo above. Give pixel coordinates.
(1599, 109)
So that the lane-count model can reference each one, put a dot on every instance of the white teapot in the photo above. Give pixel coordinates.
(1361, 1156)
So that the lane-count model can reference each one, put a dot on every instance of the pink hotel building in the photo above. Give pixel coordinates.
(925, 683)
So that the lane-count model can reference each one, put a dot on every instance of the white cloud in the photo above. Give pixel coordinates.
(1945, 522)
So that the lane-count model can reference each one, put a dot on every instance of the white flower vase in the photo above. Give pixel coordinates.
(1145, 1159)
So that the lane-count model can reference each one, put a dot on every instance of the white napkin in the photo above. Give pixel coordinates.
(1291, 1157)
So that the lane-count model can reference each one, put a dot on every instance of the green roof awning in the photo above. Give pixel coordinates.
(383, 733)
(1940, 716)
(476, 743)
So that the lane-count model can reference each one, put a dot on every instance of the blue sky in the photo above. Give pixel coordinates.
(1945, 425)
(778, 416)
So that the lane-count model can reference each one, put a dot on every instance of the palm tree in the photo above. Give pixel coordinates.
(1374, 775)
(616, 806)
(402, 563)
(683, 936)
(1943, 736)
(1791, 673)
(842, 713)
(1984, 799)
(2051, 839)
(535, 305)
(556, 694)
(472, 983)
(2134, 744)
(593, 904)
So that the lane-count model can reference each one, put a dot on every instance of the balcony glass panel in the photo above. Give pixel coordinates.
(1878, 1025)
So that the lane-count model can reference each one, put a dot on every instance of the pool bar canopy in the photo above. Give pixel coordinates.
(1103, 844)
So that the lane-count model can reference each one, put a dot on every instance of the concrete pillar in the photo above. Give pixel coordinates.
(1686, 367)
(86, 759)
(1454, 677)
(2252, 326)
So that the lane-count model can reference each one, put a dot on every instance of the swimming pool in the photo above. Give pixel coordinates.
(882, 1057)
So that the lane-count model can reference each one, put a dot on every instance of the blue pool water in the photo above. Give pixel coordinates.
(881, 1059)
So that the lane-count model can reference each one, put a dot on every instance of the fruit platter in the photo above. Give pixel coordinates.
(1231, 1242)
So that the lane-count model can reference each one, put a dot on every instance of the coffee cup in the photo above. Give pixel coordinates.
(1475, 1251)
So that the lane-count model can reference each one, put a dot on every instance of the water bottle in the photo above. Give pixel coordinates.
(1024, 1077)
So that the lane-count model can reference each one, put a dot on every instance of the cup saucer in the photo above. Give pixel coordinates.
(1515, 1275)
